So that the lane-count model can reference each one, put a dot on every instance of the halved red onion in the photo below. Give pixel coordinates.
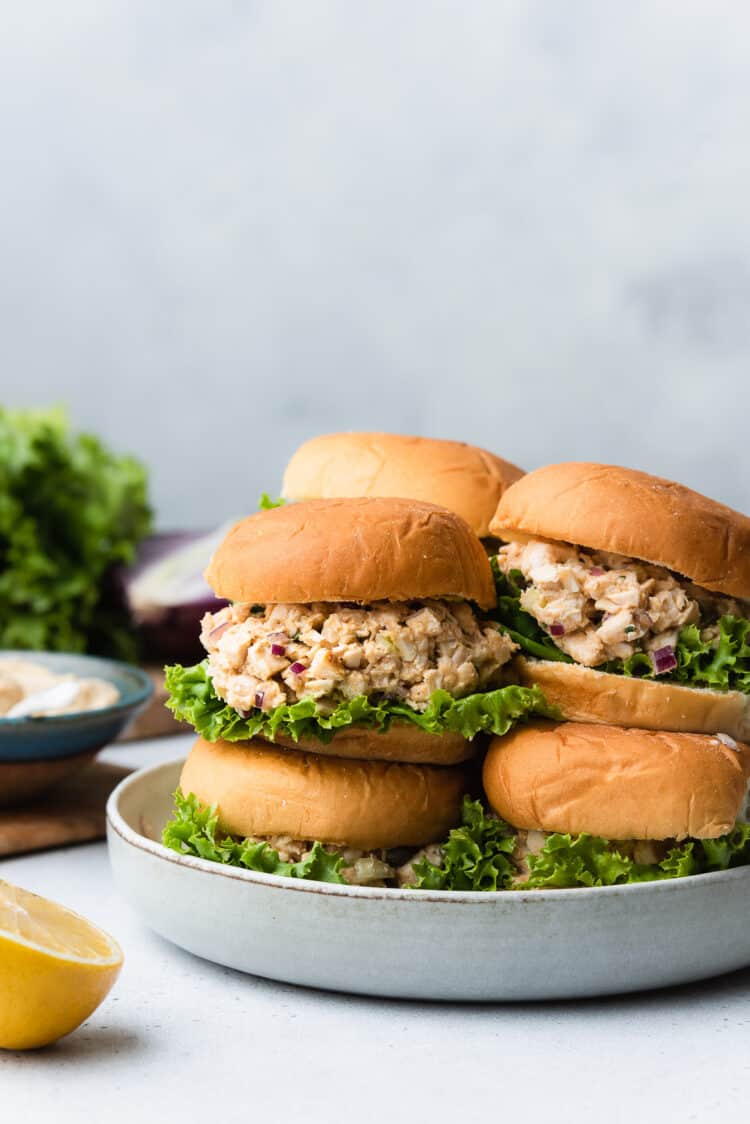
(259, 696)
(297, 668)
(663, 660)
(278, 650)
(556, 629)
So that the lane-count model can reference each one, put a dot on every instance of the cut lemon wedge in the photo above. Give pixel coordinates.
(55, 969)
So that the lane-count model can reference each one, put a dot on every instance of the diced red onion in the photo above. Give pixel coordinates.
(297, 668)
(220, 629)
(663, 660)
(259, 696)
(556, 629)
(278, 650)
(596, 572)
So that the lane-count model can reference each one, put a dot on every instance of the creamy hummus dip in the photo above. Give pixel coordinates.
(30, 690)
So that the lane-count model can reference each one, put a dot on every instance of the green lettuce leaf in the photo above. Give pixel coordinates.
(519, 624)
(193, 699)
(585, 860)
(721, 665)
(265, 503)
(70, 511)
(476, 855)
(193, 831)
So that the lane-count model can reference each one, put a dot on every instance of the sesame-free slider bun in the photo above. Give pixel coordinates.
(583, 694)
(461, 477)
(604, 507)
(362, 550)
(364, 804)
(402, 741)
(617, 783)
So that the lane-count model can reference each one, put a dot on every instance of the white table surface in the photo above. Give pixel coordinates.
(180, 1038)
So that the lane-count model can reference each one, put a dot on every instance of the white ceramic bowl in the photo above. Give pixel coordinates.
(549, 944)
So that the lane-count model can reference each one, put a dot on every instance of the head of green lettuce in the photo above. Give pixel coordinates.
(71, 511)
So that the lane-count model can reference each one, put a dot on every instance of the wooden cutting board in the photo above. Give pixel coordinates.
(72, 812)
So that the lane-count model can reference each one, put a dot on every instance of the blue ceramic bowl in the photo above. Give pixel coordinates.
(23, 740)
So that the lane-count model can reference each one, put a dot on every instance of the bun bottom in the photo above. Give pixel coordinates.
(582, 694)
(618, 783)
(370, 805)
(403, 742)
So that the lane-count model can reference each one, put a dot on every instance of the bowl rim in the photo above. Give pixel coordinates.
(117, 824)
(140, 693)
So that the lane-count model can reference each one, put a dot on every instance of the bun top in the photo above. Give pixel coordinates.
(359, 550)
(604, 507)
(461, 477)
(617, 783)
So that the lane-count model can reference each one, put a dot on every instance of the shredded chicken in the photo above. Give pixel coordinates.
(263, 656)
(599, 607)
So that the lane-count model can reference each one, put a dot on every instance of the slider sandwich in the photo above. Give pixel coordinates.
(460, 477)
(628, 597)
(571, 805)
(344, 685)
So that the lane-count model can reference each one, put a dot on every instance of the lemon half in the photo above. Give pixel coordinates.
(55, 969)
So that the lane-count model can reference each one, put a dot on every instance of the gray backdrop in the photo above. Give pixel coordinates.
(227, 226)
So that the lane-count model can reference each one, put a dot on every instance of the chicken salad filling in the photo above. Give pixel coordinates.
(602, 609)
(267, 656)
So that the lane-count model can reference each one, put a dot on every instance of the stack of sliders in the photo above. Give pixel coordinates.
(344, 689)
(623, 600)
(628, 597)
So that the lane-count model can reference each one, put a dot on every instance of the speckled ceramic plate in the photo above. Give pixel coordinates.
(550, 944)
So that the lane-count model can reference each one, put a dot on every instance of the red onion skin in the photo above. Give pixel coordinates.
(220, 629)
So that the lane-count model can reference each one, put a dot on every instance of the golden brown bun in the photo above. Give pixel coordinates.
(352, 550)
(365, 804)
(584, 695)
(403, 742)
(461, 477)
(604, 507)
(621, 784)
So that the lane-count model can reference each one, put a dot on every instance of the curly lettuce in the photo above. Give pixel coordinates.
(70, 511)
(478, 856)
(720, 664)
(586, 860)
(194, 700)
(193, 830)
